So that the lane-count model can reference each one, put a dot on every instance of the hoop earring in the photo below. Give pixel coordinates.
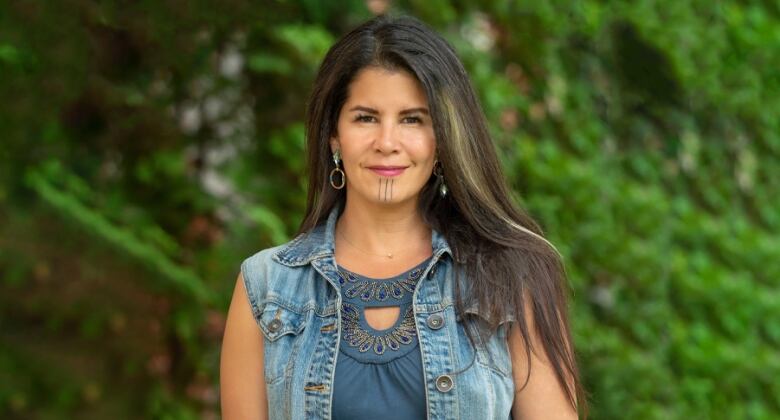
(439, 172)
(336, 159)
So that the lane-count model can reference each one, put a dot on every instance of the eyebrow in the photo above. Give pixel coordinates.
(368, 110)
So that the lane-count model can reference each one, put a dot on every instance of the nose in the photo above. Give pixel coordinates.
(387, 140)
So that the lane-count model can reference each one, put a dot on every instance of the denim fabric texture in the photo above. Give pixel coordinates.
(294, 294)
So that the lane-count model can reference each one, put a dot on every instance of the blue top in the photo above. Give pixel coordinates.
(379, 373)
(289, 288)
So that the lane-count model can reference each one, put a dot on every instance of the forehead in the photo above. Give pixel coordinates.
(382, 88)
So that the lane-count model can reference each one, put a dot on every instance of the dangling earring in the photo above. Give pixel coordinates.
(336, 160)
(438, 171)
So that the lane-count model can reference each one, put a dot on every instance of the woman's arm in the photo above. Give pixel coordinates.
(542, 397)
(242, 382)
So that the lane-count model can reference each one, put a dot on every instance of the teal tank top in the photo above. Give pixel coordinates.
(379, 373)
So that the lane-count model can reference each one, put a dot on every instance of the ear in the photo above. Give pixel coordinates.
(334, 144)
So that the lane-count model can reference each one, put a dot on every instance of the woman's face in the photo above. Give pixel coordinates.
(386, 137)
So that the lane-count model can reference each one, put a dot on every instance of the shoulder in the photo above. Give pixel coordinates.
(259, 261)
(256, 270)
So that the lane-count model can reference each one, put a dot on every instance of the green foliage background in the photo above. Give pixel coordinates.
(148, 147)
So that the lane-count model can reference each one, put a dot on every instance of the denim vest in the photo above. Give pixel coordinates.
(294, 294)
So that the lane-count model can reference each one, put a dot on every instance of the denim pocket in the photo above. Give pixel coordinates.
(494, 353)
(282, 327)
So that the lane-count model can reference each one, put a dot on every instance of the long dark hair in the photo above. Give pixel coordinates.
(511, 269)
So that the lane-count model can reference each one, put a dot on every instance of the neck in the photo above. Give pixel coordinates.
(383, 228)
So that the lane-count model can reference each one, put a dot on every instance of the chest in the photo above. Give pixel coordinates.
(304, 326)
(375, 266)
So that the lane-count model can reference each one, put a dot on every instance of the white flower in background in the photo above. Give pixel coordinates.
(480, 32)
(215, 184)
(231, 63)
(189, 118)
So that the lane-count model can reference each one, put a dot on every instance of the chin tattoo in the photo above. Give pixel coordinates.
(385, 190)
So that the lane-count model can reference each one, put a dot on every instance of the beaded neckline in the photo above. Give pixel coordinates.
(360, 292)
(357, 336)
(380, 289)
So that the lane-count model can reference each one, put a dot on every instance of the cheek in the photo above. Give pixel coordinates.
(350, 145)
(420, 144)
(430, 141)
(426, 151)
(352, 153)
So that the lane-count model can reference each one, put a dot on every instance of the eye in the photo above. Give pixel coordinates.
(412, 120)
(364, 118)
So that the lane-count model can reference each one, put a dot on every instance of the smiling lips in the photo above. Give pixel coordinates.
(387, 170)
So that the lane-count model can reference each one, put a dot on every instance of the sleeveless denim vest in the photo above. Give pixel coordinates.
(294, 295)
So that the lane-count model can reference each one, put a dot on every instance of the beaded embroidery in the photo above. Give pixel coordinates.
(358, 337)
(367, 289)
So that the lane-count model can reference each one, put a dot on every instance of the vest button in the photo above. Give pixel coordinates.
(432, 271)
(444, 383)
(435, 321)
(274, 325)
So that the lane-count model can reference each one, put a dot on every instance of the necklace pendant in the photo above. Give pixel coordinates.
(389, 255)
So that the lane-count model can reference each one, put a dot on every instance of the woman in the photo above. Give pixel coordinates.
(399, 296)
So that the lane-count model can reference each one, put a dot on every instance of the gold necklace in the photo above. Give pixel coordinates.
(388, 255)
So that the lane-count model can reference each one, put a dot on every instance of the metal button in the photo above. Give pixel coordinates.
(444, 383)
(435, 321)
(274, 325)
(432, 271)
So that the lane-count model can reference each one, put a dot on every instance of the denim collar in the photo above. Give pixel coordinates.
(319, 243)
